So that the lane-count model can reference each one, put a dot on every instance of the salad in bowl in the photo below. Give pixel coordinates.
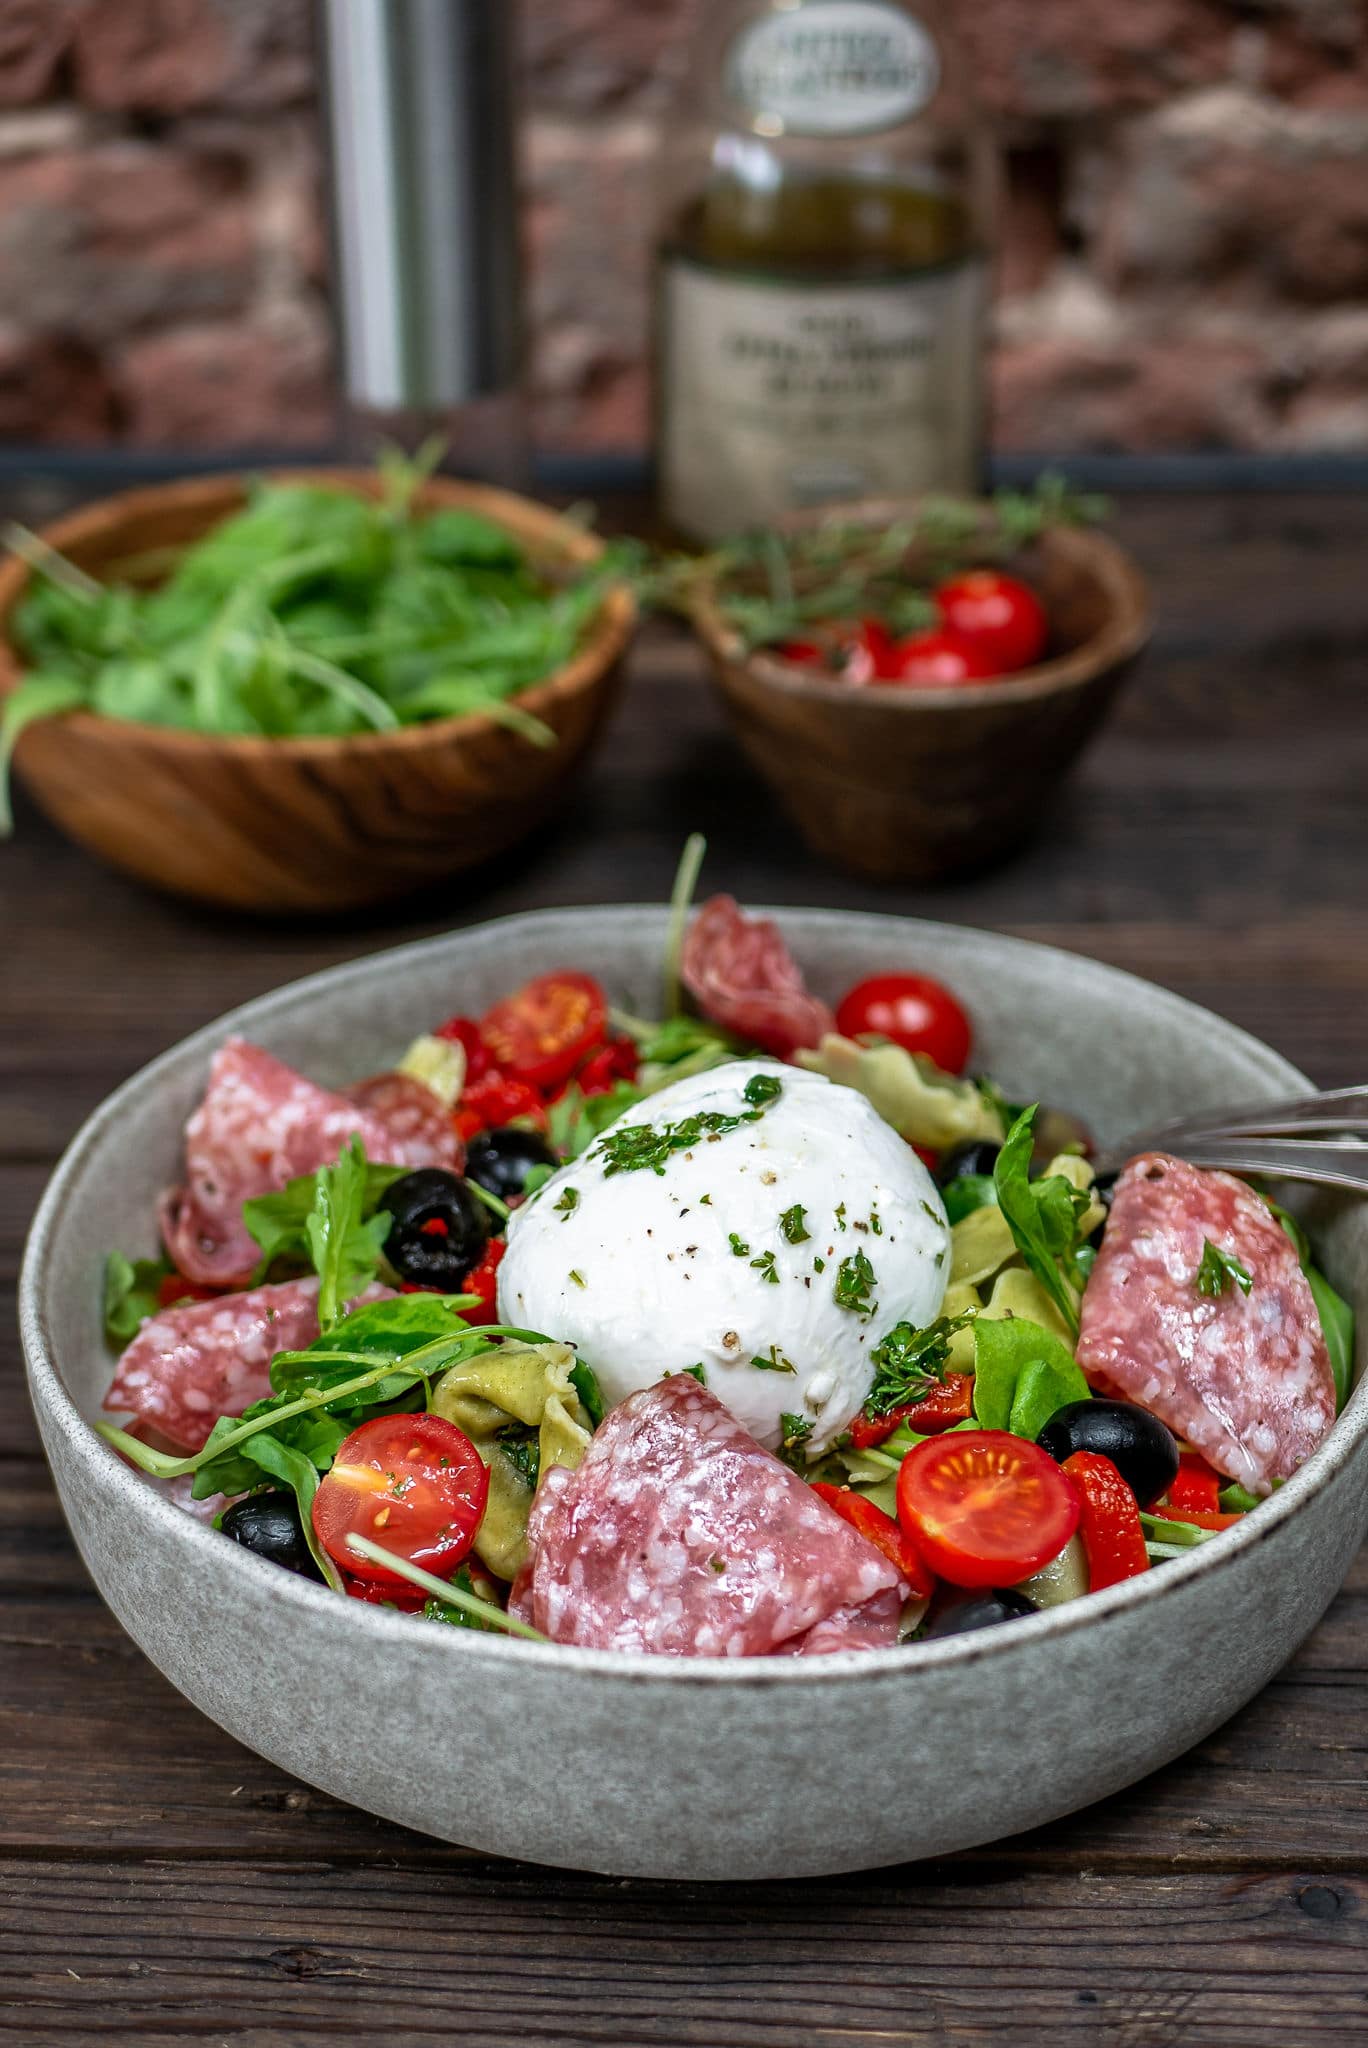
(765, 1330)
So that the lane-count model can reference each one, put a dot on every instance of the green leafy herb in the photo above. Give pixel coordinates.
(634, 1147)
(461, 1617)
(762, 1089)
(795, 1430)
(774, 1361)
(1022, 1375)
(793, 1225)
(537, 1177)
(566, 1202)
(280, 1222)
(585, 1384)
(521, 1446)
(132, 1293)
(855, 1284)
(968, 1192)
(1218, 1268)
(449, 1592)
(766, 1268)
(695, 1372)
(818, 1263)
(1336, 1316)
(908, 1362)
(578, 1277)
(346, 1249)
(574, 1119)
(739, 1248)
(840, 1215)
(1043, 1217)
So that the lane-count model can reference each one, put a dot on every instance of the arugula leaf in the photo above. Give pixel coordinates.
(131, 1295)
(1043, 1217)
(1336, 1316)
(1218, 1268)
(299, 1471)
(1022, 1375)
(279, 1222)
(345, 1249)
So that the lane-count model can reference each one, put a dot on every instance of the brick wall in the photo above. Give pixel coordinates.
(1186, 241)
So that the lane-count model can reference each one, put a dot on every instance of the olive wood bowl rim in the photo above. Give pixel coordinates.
(1126, 631)
(539, 527)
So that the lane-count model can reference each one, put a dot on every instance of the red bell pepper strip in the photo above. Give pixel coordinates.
(1110, 1523)
(952, 1400)
(481, 1280)
(1196, 1486)
(883, 1532)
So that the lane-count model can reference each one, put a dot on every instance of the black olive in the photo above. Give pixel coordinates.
(439, 1230)
(1142, 1450)
(269, 1524)
(975, 1155)
(502, 1160)
(1103, 1188)
(981, 1610)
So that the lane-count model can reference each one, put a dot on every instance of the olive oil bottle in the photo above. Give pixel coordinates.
(821, 266)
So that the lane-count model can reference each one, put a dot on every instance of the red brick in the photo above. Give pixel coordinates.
(227, 385)
(582, 55)
(101, 240)
(169, 56)
(52, 389)
(1056, 58)
(1185, 391)
(35, 35)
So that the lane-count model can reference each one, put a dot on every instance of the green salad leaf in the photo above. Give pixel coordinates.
(1043, 1216)
(346, 1250)
(1336, 1315)
(1022, 1375)
(279, 1222)
(131, 1294)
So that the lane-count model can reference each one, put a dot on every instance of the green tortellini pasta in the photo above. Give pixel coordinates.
(518, 1405)
(923, 1104)
(987, 1274)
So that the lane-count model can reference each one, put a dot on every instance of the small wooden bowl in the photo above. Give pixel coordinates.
(308, 824)
(917, 784)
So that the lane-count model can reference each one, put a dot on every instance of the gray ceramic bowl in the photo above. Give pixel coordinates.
(653, 1767)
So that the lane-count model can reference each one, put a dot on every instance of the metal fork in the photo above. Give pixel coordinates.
(1317, 1138)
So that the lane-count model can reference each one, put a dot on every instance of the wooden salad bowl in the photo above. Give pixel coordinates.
(920, 784)
(299, 824)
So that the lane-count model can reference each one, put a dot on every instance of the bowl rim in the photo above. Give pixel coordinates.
(1119, 639)
(605, 638)
(286, 1590)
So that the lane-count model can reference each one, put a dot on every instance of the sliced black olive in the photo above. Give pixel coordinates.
(981, 1610)
(975, 1155)
(269, 1524)
(1142, 1450)
(439, 1230)
(501, 1160)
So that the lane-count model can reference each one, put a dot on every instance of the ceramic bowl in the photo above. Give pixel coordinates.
(301, 824)
(921, 784)
(689, 1768)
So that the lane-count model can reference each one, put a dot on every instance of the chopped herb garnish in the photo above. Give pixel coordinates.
(775, 1362)
(855, 1284)
(1219, 1268)
(740, 1249)
(796, 1429)
(632, 1148)
(578, 1277)
(840, 1216)
(567, 1202)
(766, 1267)
(927, 1210)
(522, 1448)
(875, 1225)
(762, 1089)
(818, 1263)
(695, 1372)
(705, 1201)
(717, 1564)
(793, 1224)
(908, 1362)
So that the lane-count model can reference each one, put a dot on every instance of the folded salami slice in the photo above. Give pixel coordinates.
(742, 976)
(261, 1124)
(679, 1535)
(187, 1366)
(1246, 1378)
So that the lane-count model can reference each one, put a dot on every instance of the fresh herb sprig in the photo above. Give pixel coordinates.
(1218, 1268)
(908, 1362)
(1043, 1216)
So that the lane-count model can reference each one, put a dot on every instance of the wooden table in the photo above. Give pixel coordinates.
(161, 1885)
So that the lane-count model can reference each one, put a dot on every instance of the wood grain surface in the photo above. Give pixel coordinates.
(162, 1886)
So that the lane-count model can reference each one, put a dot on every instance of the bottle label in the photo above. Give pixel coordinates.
(778, 395)
(832, 67)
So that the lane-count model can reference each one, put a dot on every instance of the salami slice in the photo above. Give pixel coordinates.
(259, 1125)
(187, 1366)
(1246, 1378)
(679, 1535)
(742, 976)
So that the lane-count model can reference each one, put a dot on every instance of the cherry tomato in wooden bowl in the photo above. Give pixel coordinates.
(413, 1483)
(985, 1508)
(541, 1034)
(1000, 617)
(913, 1011)
(936, 660)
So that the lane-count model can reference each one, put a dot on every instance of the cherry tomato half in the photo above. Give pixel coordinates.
(414, 1483)
(175, 1288)
(540, 1034)
(949, 1402)
(985, 1508)
(883, 1532)
(936, 660)
(1000, 617)
(915, 1012)
(1109, 1522)
(493, 1101)
(465, 1032)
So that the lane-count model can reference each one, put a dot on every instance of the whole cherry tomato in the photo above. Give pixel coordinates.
(541, 1033)
(998, 615)
(913, 1011)
(937, 659)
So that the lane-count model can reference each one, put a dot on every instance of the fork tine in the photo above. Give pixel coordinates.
(1330, 1165)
